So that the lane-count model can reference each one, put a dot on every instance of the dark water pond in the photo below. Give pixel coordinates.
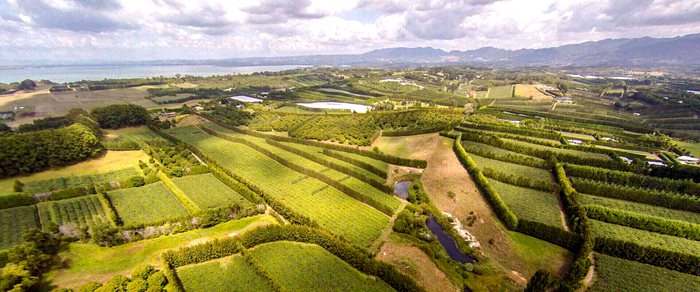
(448, 243)
(401, 188)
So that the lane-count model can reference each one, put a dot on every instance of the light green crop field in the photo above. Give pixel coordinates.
(207, 191)
(53, 184)
(496, 150)
(640, 208)
(111, 161)
(501, 92)
(230, 273)
(576, 135)
(167, 98)
(149, 204)
(81, 212)
(512, 168)
(308, 267)
(91, 262)
(333, 210)
(529, 204)
(694, 148)
(645, 238)
(14, 222)
(615, 274)
(560, 150)
(347, 180)
(319, 152)
(136, 134)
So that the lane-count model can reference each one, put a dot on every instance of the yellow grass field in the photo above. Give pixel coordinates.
(111, 160)
(530, 91)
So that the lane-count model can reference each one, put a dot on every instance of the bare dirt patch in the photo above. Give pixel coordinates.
(415, 263)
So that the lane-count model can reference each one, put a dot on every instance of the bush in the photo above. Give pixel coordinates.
(15, 200)
(120, 115)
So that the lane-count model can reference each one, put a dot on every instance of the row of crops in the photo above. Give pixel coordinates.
(654, 218)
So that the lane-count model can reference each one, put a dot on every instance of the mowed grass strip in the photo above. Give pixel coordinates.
(149, 204)
(330, 208)
(645, 238)
(529, 204)
(230, 273)
(207, 191)
(81, 212)
(616, 274)
(14, 222)
(308, 267)
(640, 208)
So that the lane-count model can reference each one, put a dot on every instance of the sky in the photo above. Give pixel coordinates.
(124, 30)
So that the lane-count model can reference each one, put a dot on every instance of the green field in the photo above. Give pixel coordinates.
(77, 212)
(693, 148)
(14, 222)
(512, 168)
(501, 92)
(496, 150)
(645, 238)
(207, 191)
(149, 204)
(529, 204)
(318, 151)
(615, 274)
(559, 150)
(307, 267)
(112, 177)
(640, 208)
(134, 134)
(167, 98)
(329, 207)
(231, 273)
(90, 261)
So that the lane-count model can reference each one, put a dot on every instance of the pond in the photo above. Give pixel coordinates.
(401, 188)
(245, 98)
(358, 108)
(448, 243)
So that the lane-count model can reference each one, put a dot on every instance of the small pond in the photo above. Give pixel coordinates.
(448, 243)
(245, 98)
(358, 108)
(401, 188)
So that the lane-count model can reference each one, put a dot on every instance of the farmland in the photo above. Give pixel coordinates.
(146, 205)
(14, 222)
(226, 274)
(530, 204)
(76, 212)
(332, 209)
(623, 275)
(207, 191)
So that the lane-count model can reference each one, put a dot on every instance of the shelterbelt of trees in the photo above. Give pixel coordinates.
(75, 139)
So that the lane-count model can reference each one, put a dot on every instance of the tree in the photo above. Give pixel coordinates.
(26, 84)
(540, 281)
(120, 115)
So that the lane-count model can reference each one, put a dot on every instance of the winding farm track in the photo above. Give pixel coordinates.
(388, 229)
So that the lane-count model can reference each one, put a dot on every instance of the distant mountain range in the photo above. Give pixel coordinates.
(683, 51)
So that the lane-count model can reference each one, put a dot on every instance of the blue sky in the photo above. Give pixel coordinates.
(184, 29)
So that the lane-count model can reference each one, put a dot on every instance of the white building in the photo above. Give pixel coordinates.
(574, 142)
(626, 160)
(656, 163)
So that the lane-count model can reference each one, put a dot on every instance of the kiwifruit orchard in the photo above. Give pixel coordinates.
(518, 179)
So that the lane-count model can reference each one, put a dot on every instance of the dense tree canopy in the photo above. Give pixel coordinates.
(120, 115)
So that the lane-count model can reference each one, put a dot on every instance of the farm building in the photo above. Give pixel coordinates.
(574, 141)
(656, 163)
(626, 160)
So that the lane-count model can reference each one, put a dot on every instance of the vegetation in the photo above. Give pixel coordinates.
(14, 222)
(147, 205)
(120, 115)
(230, 273)
(35, 151)
(624, 275)
(207, 192)
(529, 204)
(73, 214)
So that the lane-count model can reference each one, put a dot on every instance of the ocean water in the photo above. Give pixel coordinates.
(99, 72)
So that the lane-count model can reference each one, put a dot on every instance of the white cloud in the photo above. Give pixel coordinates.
(164, 29)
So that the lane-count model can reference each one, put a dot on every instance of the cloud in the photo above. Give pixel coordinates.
(73, 15)
(163, 29)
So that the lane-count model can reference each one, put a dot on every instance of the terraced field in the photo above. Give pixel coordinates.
(146, 205)
(207, 191)
(14, 222)
(329, 207)
(80, 212)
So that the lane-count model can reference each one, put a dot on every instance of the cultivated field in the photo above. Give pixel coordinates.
(530, 204)
(73, 213)
(230, 273)
(146, 205)
(14, 222)
(207, 191)
(615, 274)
